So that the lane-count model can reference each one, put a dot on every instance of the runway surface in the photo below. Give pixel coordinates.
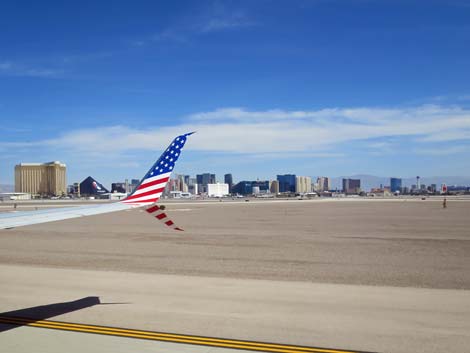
(366, 275)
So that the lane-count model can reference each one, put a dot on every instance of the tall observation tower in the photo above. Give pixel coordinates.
(418, 185)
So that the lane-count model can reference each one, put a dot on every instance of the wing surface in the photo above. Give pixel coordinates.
(24, 218)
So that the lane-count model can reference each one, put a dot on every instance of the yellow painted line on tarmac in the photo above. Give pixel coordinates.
(168, 337)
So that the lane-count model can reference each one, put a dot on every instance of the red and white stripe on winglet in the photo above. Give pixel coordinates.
(158, 213)
(149, 191)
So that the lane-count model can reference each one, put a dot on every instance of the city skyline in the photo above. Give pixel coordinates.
(334, 183)
(307, 87)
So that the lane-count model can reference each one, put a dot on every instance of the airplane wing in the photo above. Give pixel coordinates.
(146, 194)
(24, 218)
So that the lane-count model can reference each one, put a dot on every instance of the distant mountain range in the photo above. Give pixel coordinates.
(7, 188)
(371, 181)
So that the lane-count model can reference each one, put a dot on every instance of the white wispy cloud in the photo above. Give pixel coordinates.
(242, 131)
(5, 66)
(214, 18)
(464, 97)
(442, 151)
(447, 135)
(224, 20)
(8, 68)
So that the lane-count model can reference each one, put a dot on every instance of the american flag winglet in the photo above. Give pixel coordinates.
(158, 213)
(153, 183)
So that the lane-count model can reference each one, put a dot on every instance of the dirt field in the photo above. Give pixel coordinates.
(407, 243)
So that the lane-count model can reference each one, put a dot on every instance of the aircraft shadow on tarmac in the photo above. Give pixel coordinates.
(42, 312)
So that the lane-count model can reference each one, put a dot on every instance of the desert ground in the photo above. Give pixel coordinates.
(363, 275)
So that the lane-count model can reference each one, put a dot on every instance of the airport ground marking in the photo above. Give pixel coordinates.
(168, 337)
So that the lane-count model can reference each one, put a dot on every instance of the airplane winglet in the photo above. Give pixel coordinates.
(153, 183)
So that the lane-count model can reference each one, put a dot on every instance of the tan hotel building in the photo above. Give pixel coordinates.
(303, 184)
(41, 178)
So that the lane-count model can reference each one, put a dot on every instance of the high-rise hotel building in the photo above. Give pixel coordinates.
(41, 178)
(303, 184)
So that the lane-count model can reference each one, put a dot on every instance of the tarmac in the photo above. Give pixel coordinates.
(378, 276)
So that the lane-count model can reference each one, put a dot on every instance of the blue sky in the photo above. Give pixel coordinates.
(307, 87)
